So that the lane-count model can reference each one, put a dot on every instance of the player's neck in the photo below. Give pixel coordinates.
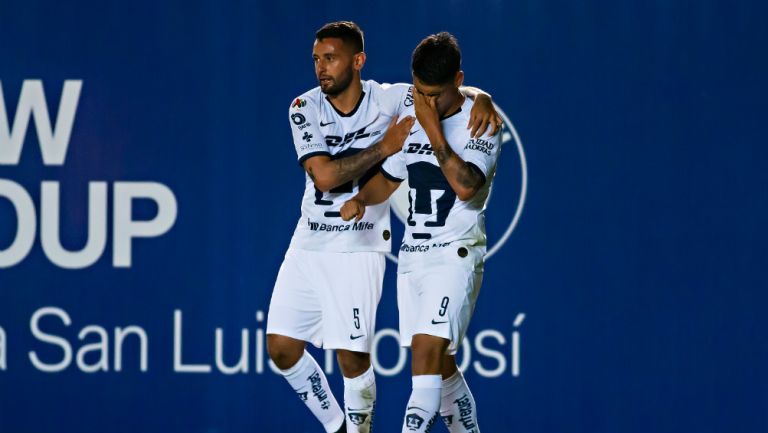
(347, 100)
(458, 101)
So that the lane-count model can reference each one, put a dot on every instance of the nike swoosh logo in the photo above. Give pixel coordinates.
(355, 337)
(326, 124)
(437, 323)
(411, 133)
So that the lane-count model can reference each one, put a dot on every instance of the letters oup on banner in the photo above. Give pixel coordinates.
(54, 142)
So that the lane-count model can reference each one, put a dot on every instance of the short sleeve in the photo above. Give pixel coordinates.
(483, 152)
(394, 167)
(395, 98)
(307, 137)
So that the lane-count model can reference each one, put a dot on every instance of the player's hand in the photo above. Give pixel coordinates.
(352, 208)
(482, 116)
(396, 134)
(426, 111)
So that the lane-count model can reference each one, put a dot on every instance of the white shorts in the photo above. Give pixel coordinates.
(328, 299)
(439, 301)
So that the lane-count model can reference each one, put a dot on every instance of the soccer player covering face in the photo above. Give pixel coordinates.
(329, 283)
(440, 266)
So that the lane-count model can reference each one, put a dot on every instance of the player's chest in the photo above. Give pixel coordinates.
(417, 147)
(342, 133)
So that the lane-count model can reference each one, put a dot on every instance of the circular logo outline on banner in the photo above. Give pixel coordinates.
(399, 198)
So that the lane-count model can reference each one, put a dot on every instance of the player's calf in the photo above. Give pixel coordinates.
(457, 405)
(359, 390)
(308, 381)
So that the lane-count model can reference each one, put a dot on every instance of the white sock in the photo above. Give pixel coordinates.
(360, 401)
(457, 406)
(424, 404)
(309, 382)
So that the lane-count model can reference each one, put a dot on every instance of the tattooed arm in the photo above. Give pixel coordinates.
(465, 178)
(328, 174)
(376, 191)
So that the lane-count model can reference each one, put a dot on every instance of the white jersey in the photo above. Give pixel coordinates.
(319, 129)
(438, 222)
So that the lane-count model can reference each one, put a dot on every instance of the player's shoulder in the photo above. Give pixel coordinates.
(308, 99)
(466, 107)
(396, 90)
(386, 86)
(390, 97)
(456, 126)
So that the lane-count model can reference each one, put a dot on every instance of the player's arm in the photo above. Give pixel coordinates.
(375, 191)
(482, 117)
(465, 179)
(483, 112)
(328, 174)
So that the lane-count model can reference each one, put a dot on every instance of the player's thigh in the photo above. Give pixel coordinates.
(446, 302)
(407, 307)
(295, 309)
(350, 300)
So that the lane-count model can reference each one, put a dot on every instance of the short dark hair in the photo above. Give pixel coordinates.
(436, 59)
(347, 31)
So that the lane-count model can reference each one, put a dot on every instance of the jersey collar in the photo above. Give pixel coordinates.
(354, 110)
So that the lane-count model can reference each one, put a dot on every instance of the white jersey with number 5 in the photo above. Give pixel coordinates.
(319, 129)
(438, 222)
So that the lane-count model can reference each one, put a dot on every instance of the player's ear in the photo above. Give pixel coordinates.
(459, 80)
(359, 61)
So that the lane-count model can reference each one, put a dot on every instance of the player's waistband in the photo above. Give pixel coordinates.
(412, 257)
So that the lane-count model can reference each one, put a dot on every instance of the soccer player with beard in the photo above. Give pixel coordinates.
(329, 283)
(441, 259)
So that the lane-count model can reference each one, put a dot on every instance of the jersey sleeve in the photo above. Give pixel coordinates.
(307, 138)
(395, 98)
(483, 152)
(394, 167)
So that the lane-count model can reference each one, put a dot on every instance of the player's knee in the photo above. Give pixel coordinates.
(428, 352)
(284, 351)
(353, 364)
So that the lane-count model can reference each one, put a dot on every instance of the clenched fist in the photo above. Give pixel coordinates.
(353, 208)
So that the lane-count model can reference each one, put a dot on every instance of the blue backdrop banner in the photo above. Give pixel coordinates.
(149, 190)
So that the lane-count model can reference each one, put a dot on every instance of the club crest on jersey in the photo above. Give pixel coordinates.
(298, 103)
